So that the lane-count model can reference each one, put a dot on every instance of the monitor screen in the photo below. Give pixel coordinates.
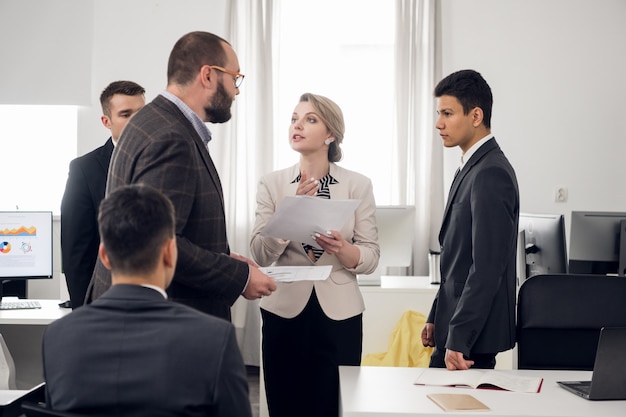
(25, 244)
(395, 238)
(595, 243)
(544, 240)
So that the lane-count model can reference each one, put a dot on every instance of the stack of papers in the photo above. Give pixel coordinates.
(299, 217)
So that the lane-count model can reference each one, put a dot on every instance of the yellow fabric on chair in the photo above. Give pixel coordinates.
(405, 346)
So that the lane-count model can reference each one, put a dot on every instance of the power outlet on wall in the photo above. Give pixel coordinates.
(560, 194)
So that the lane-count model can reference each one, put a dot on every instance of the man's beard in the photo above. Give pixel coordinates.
(219, 109)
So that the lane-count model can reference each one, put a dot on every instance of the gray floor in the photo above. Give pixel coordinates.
(253, 384)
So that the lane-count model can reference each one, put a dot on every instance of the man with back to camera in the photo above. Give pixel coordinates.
(132, 352)
(85, 188)
(473, 315)
(164, 146)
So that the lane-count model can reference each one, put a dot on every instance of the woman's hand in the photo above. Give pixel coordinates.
(333, 243)
(307, 186)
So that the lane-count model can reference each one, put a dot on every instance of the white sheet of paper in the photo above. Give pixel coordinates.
(298, 273)
(299, 217)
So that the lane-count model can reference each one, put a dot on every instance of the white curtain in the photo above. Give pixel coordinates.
(247, 151)
(419, 154)
(249, 140)
(242, 150)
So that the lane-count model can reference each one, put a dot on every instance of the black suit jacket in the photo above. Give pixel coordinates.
(84, 190)
(133, 353)
(159, 147)
(474, 310)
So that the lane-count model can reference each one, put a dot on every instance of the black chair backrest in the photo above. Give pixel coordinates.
(559, 318)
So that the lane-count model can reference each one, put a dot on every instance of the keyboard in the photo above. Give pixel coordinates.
(19, 305)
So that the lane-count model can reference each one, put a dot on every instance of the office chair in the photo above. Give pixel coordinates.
(31, 409)
(559, 318)
(7, 367)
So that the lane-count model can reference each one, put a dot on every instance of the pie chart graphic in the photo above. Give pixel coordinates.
(5, 247)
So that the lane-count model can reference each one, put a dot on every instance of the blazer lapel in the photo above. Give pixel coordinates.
(202, 150)
(208, 162)
(458, 180)
(104, 155)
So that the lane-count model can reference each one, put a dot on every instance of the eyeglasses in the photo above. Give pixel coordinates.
(238, 76)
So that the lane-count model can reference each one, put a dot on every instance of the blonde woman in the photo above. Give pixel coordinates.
(312, 327)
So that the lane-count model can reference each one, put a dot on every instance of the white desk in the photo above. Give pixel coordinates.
(384, 305)
(23, 331)
(386, 392)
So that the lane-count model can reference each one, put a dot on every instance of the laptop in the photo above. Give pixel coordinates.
(608, 380)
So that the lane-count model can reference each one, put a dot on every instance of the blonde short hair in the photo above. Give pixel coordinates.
(332, 116)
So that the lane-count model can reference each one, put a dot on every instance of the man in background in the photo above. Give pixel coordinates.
(473, 315)
(165, 146)
(85, 188)
(132, 352)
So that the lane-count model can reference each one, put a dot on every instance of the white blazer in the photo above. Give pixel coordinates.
(338, 295)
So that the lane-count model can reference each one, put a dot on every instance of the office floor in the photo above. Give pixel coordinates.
(253, 384)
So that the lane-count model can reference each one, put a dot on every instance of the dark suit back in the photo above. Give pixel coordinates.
(475, 308)
(159, 147)
(133, 353)
(84, 190)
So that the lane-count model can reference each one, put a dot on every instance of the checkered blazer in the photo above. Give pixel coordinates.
(159, 147)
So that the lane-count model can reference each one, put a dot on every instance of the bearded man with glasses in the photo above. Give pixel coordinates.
(165, 146)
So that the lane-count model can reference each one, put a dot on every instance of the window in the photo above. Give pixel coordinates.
(322, 50)
(37, 143)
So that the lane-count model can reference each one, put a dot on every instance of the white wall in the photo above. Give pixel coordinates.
(556, 68)
(45, 48)
(132, 40)
(127, 40)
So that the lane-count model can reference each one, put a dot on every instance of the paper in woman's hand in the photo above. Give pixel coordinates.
(299, 217)
(298, 273)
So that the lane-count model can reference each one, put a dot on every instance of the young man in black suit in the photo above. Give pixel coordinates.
(85, 188)
(132, 352)
(473, 315)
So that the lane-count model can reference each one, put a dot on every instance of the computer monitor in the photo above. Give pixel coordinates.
(545, 245)
(396, 235)
(598, 243)
(25, 245)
